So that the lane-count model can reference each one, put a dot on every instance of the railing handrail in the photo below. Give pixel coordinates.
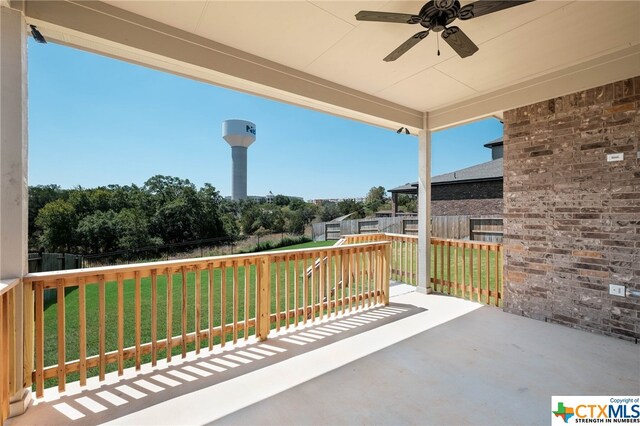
(462, 242)
(121, 269)
(7, 284)
(415, 237)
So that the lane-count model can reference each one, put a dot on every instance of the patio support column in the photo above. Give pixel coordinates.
(13, 192)
(424, 209)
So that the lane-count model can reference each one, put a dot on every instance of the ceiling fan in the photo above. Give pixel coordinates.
(435, 16)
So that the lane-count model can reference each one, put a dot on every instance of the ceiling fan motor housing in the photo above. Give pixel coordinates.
(437, 14)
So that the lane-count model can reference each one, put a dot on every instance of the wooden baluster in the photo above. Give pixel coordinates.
(169, 314)
(62, 378)
(321, 283)
(455, 268)
(138, 309)
(370, 277)
(488, 272)
(405, 245)
(305, 289)
(120, 284)
(196, 309)
(154, 317)
(82, 330)
(480, 250)
(360, 276)
(328, 281)
(247, 270)
(296, 290)
(211, 303)
(183, 312)
(471, 286)
(223, 304)
(235, 301)
(313, 289)
(39, 343)
(498, 281)
(411, 262)
(344, 262)
(287, 272)
(464, 266)
(353, 284)
(336, 280)
(277, 265)
(101, 328)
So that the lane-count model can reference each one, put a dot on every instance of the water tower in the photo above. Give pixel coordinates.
(239, 134)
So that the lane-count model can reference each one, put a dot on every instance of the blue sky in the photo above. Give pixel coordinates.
(97, 121)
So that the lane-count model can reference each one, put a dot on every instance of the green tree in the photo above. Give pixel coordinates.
(210, 224)
(249, 218)
(375, 198)
(296, 222)
(329, 212)
(39, 196)
(281, 200)
(98, 231)
(351, 206)
(132, 228)
(58, 221)
(177, 209)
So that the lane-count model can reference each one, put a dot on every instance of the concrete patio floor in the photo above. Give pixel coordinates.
(425, 359)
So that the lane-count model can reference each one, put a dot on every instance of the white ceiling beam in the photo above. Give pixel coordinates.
(596, 72)
(91, 24)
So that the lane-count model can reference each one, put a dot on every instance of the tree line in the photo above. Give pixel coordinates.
(167, 210)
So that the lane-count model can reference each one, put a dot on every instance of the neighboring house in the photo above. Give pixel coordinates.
(475, 190)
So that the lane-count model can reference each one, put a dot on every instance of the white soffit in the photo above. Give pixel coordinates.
(322, 41)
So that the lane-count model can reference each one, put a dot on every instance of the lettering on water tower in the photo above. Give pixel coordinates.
(251, 129)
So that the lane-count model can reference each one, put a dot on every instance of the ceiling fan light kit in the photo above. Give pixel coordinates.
(436, 15)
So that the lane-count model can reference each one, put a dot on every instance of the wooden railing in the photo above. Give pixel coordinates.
(468, 269)
(110, 318)
(404, 253)
(471, 270)
(9, 382)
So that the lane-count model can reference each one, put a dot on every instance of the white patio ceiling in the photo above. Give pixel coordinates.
(324, 59)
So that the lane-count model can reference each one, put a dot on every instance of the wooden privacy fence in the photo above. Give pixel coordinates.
(449, 227)
(9, 382)
(110, 318)
(470, 270)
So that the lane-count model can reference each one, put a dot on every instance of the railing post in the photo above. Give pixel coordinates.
(264, 298)
(386, 273)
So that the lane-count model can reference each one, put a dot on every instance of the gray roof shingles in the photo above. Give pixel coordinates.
(489, 170)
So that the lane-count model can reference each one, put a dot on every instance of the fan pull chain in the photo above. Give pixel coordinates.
(438, 41)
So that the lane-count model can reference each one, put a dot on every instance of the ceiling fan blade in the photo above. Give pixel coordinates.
(404, 47)
(459, 41)
(398, 18)
(485, 7)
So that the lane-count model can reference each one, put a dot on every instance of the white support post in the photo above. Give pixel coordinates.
(13, 183)
(424, 209)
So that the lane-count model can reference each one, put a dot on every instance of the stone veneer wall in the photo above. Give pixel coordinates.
(572, 219)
